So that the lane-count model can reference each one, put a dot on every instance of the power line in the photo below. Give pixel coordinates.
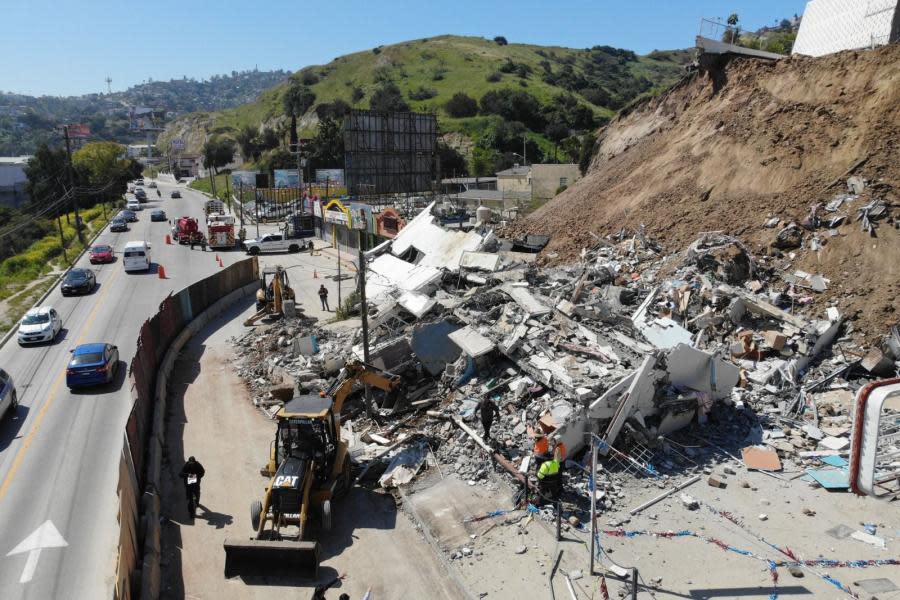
(18, 226)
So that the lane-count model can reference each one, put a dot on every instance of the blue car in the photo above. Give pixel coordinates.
(92, 364)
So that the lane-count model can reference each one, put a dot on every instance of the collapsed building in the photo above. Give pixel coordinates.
(627, 347)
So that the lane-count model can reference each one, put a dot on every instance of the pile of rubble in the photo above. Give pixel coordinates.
(630, 348)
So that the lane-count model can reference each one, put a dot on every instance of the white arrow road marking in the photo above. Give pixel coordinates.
(45, 536)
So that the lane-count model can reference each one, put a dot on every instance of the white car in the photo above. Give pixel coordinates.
(8, 400)
(39, 325)
(133, 205)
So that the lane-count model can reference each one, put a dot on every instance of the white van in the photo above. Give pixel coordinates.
(136, 256)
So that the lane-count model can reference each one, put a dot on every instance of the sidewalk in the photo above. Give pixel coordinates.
(307, 272)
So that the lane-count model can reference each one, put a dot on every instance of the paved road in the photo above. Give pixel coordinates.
(59, 454)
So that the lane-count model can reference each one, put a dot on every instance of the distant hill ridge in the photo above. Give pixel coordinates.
(428, 72)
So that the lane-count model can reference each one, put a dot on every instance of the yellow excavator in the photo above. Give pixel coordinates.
(309, 465)
(274, 289)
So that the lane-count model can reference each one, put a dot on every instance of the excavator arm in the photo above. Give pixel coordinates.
(362, 373)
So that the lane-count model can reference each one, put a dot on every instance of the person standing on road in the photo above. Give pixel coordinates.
(323, 296)
(487, 409)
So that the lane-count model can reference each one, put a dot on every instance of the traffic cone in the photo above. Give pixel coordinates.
(220, 263)
(168, 239)
(161, 271)
(217, 258)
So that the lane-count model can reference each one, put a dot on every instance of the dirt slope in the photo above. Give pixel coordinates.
(726, 149)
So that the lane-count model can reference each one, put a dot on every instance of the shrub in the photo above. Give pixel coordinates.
(461, 105)
(494, 77)
(309, 78)
(422, 93)
(357, 95)
(376, 50)
(500, 40)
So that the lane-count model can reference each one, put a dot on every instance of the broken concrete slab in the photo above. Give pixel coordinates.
(526, 300)
(662, 332)
(471, 342)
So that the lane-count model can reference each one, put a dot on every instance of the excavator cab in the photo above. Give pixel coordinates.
(274, 289)
(309, 465)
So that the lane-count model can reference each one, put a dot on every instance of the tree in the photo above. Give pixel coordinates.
(734, 32)
(217, 152)
(461, 105)
(328, 145)
(785, 24)
(387, 98)
(500, 40)
(588, 141)
(46, 173)
(267, 139)
(332, 110)
(296, 101)
(556, 131)
(246, 140)
(104, 170)
(453, 164)
(514, 105)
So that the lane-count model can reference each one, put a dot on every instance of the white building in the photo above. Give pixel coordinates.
(13, 179)
(137, 150)
(833, 25)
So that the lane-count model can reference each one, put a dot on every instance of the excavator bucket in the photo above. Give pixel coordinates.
(249, 557)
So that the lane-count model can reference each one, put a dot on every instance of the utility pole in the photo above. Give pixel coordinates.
(228, 191)
(256, 206)
(337, 239)
(524, 151)
(72, 184)
(62, 240)
(364, 313)
(108, 84)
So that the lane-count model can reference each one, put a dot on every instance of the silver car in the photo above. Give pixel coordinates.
(9, 402)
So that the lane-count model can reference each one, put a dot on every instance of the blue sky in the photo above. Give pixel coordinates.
(69, 47)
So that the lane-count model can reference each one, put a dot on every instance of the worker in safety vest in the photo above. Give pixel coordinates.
(549, 477)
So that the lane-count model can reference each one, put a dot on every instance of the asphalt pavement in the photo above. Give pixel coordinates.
(59, 452)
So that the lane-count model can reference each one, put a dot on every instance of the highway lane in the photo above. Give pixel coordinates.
(59, 455)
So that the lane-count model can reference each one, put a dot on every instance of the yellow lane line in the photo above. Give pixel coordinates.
(26, 442)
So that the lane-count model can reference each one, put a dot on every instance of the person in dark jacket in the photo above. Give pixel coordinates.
(192, 467)
(323, 296)
(487, 409)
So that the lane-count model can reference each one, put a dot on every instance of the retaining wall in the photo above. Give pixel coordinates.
(161, 337)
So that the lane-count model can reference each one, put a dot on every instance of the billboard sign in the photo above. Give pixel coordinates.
(79, 131)
(332, 176)
(247, 178)
(287, 178)
(177, 144)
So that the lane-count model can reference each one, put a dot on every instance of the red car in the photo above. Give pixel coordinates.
(102, 254)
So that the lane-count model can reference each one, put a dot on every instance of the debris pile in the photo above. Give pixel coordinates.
(663, 361)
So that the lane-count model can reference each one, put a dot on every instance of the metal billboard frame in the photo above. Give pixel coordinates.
(389, 152)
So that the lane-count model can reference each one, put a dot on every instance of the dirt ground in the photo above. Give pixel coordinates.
(728, 149)
(211, 417)
(669, 567)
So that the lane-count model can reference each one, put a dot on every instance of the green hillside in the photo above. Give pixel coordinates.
(428, 72)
